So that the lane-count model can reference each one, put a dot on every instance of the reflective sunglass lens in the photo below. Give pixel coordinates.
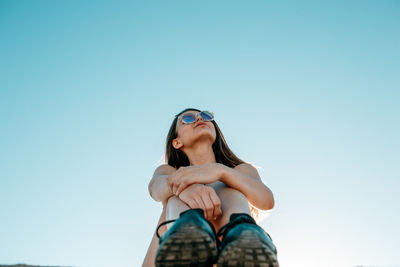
(206, 115)
(188, 118)
(192, 117)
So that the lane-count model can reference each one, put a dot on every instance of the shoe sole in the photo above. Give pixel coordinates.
(247, 251)
(189, 246)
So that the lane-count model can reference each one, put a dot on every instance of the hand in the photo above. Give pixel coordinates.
(202, 174)
(203, 197)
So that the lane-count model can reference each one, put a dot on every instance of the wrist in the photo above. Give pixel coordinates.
(223, 173)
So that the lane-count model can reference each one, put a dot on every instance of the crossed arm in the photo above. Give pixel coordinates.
(168, 181)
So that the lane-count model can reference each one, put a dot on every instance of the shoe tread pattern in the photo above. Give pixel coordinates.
(188, 246)
(247, 251)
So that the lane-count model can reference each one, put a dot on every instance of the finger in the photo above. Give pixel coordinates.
(174, 188)
(209, 206)
(182, 186)
(200, 204)
(192, 204)
(216, 202)
(174, 180)
(171, 182)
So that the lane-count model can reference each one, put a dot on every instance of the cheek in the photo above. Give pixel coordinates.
(214, 133)
(213, 129)
(182, 133)
(180, 129)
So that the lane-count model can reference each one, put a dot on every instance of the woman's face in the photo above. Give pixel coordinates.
(188, 134)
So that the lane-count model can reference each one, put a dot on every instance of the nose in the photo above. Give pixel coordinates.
(198, 117)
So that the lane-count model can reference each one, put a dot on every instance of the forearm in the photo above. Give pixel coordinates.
(159, 189)
(256, 192)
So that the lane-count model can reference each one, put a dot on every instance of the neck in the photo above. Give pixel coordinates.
(200, 154)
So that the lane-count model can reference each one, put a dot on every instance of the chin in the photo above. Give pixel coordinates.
(205, 135)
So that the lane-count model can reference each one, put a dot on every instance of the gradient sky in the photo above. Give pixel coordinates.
(309, 92)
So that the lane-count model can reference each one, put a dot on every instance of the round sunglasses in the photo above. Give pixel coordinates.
(190, 117)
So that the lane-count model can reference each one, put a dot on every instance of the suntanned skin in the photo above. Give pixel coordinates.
(217, 189)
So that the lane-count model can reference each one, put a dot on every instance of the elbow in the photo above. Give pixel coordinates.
(269, 202)
(154, 192)
(150, 189)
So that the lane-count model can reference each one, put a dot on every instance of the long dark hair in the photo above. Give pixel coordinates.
(176, 158)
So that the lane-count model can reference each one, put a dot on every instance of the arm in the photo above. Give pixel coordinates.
(245, 178)
(195, 195)
(158, 187)
(203, 197)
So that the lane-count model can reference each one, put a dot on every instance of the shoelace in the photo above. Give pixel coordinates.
(161, 224)
(224, 229)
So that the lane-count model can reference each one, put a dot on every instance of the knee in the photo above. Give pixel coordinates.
(174, 207)
(228, 191)
(176, 203)
(173, 200)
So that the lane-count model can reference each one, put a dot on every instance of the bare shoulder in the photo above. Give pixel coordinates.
(164, 169)
(248, 169)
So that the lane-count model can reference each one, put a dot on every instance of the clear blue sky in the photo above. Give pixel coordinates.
(307, 91)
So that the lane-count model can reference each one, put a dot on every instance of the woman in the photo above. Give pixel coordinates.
(206, 188)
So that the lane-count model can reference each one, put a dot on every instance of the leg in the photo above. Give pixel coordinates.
(232, 201)
(174, 207)
(189, 241)
(244, 243)
(151, 251)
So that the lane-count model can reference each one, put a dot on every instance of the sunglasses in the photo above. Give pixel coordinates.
(190, 117)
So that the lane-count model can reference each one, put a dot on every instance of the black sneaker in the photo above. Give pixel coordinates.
(245, 243)
(191, 241)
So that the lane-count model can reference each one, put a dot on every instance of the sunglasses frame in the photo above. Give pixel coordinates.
(197, 114)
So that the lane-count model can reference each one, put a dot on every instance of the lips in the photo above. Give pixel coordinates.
(199, 124)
